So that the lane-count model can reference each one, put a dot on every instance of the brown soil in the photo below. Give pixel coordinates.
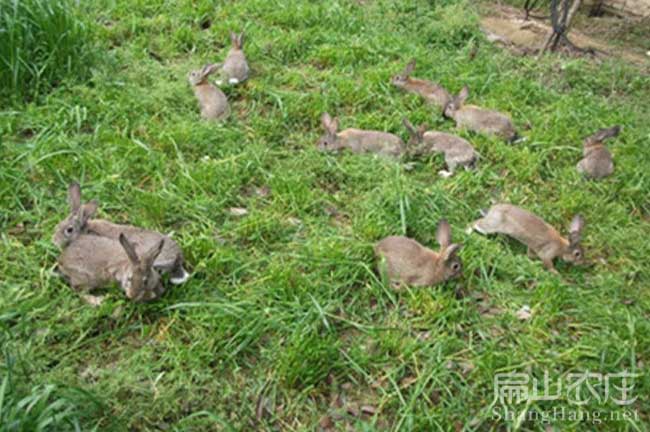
(504, 25)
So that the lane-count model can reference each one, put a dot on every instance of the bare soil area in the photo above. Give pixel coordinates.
(596, 36)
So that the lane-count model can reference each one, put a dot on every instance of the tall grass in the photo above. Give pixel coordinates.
(41, 43)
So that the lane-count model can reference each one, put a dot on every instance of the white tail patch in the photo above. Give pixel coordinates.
(233, 81)
(180, 280)
(92, 300)
(445, 174)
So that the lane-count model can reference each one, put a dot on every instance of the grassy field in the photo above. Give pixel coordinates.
(285, 324)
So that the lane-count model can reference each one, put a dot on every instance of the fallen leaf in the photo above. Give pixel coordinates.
(368, 409)
(628, 302)
(466, 367)
(352, 409)
(18, 229)
(435, 397)
(524, 313)
(407, 382)
(238, 211)
(326, 422)
(294, 221)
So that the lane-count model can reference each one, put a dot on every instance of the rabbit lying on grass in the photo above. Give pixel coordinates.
(431, 92)
(478, 119)
(408, 262)
(357, 140)
(597, 161)
(457, 151)
(92, 262)
(541, 238)
(79, 222)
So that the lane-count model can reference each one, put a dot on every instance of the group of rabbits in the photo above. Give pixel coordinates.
(96, 252)
(407, 262)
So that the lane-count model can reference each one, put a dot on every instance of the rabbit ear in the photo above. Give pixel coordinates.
(240, 40)
(409, 127)
(326, 120)
(462, 96)
(443, 234)
(233, 39)
(330, 125)
(575, 229)
(150, 256)
(88, 210)
(74, 196)
(210, 68)
(129, 249)
(422, 129)
(604, 134)
(410, 67)
(450, 251)
(334, 126)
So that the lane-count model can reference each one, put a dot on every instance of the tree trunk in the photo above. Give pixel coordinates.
(562, 13)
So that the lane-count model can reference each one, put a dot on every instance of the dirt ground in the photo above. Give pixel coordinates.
(606, 36)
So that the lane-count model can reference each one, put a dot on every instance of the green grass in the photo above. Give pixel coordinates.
(285, 315)
(42, 43)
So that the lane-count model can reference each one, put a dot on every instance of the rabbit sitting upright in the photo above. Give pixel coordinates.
(212, 101)
(478, 119)
(408, 262)
(80, 222)
(597, 161)
(541, 238)
(357, 140)
(235, 67)
(431, 92)
(457, 151)
(92, 262)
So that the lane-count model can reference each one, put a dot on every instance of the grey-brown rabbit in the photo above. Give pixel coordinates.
(431, 92)
(212, 101)
(80, 221)
(457, 151)
(597, 161)
(408, 262)
(541, 238)
(479, 119)
(358, 141)
(92, 262)
(235, 67)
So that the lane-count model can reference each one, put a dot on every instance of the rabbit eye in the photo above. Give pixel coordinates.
(69, 230)
(455, 266)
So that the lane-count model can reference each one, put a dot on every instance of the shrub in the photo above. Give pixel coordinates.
(42, 42)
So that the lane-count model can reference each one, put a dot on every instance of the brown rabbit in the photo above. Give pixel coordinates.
(457, 151)
(358, 141)
(541, 238)
(431, 92)
(92, 262)
(479, 119)
(597, 162)
(235, 68)
(80, 222)
(408, 262)
(212, 101)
